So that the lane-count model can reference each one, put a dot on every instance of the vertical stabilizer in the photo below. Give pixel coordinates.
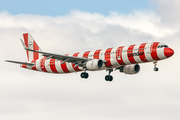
(31, 44)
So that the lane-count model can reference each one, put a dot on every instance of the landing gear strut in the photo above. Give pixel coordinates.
(155, 64)
(109, 77)
(84, 74)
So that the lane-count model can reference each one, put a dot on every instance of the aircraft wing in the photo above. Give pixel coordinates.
(64, 58)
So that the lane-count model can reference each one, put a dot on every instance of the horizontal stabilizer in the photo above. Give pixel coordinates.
(31, 64)
(23, 44)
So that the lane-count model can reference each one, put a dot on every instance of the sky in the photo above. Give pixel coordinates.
(71, 26)
(61, 7)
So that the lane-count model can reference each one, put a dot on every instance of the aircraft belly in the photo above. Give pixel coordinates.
(47, 66)
(38, 66)
(70, 67)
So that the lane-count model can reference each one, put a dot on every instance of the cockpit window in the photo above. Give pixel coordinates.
(161, 46)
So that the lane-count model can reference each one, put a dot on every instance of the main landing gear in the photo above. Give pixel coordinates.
(155, 66)
(109, 77)
(84, 74)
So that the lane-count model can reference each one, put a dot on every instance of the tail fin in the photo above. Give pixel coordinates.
(31, 44)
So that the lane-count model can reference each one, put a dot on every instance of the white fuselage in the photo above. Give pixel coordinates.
(113, 57)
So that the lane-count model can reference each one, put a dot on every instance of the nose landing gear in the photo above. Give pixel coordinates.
(109, 77)
(155, 66)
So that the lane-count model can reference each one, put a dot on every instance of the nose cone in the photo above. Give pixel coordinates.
(168, 52)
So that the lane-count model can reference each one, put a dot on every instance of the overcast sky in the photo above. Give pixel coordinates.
(72, 26)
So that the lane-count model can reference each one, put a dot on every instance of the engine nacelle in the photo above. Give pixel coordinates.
(130, 69)
(94, 64)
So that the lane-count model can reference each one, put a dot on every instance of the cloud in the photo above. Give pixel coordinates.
(31, 95)
(168, 11)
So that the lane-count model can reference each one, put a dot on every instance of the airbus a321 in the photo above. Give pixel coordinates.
(126, 59)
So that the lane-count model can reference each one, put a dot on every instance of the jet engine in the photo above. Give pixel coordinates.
(94, 64)
(130, 69)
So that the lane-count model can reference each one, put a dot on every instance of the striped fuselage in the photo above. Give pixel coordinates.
(114, 57)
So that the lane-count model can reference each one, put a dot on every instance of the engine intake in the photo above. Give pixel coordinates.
(130, 69)
(94, 64)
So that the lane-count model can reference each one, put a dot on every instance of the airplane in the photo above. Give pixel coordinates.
(126, 59)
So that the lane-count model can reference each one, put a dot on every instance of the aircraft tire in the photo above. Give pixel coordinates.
(156, 69)
(84, 75)
(108, 78)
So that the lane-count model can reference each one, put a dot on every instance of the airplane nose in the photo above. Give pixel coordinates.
(168, 52)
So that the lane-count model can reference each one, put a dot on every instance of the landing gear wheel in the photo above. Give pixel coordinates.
(108, 78)
(156, 69)
(155, 64)
(84, 75)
